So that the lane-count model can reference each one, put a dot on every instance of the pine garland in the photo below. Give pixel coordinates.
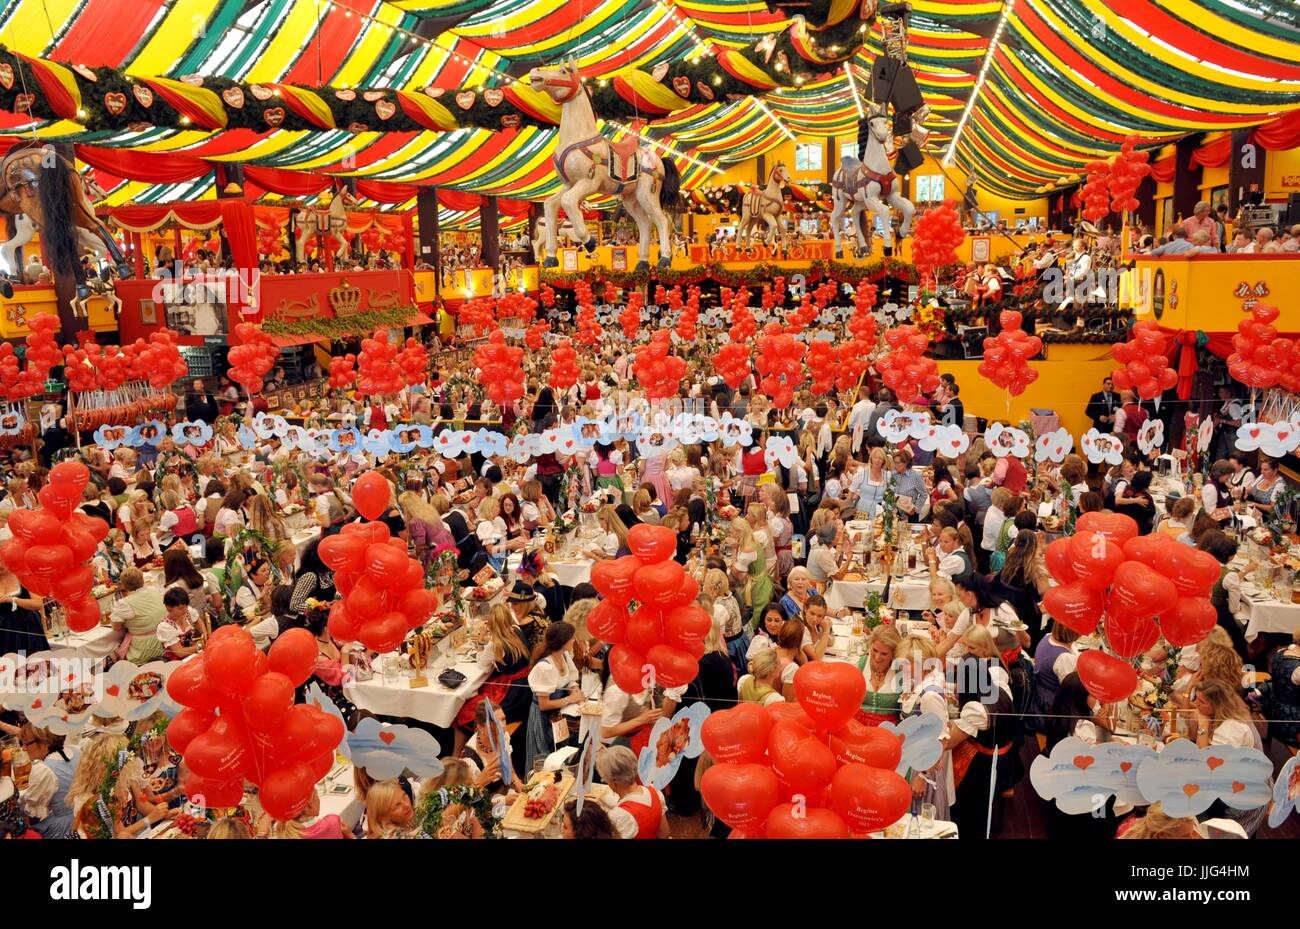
(341, 327)
(477, 800)
(266, 549)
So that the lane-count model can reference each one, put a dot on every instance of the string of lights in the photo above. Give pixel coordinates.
(1007, 7)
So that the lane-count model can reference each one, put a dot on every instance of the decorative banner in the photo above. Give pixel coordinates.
(266, 425)
(1186, 779)
(734, 431)
(1007, 440)
(1053, 446)
(1151, 436)
(652, 442)
(1102, 447)
(896, 426)
(670, 742)
(1273, 439)
(126, 690)
(781, 451)
(1080, 777)
(192, 432)
(947, 441)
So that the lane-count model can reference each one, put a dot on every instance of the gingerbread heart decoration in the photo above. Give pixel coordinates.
(705, 90)
(23, 102)
(261, 92)
(370, 96)
(346, 95)
(510, 121)
(493, 96)
(139, 126)
(274, 116)
(143, 95)
(660, 70)
(434, 92)
(234, 96)
(115, 103)
(465, 99)
(194, 80)
(385, 108)
(7, 76)
(86, 73)
(358, 127)
(682, 86)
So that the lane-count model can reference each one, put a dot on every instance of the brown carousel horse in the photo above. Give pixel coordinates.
(37, 181)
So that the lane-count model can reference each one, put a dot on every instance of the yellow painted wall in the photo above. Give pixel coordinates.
(1278, 168)
(1069, 375)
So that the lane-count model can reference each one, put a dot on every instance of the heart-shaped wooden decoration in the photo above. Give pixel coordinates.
(682, 86)
(139, 126)
(115, 103)
(234, 96)
(261, 92)
(660, 70)
(86, 73)
(493, 96)
(465, 99)
(143, 95)
(370, 96)
(385, 109)
(435, 92)
(358, 127)
(347, 96)
(194, 80)
(274, 116)
(705, 90)
(7, 76)
(510, 121)
(23, 102)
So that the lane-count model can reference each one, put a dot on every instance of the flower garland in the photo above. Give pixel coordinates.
(164, 459)
(266, 548)
(929, 318)
(341, 327)
(477, 800)
(757, 275)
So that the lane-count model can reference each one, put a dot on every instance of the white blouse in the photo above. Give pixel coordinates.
(551, 674)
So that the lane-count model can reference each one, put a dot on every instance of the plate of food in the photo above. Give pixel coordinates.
(542, 797)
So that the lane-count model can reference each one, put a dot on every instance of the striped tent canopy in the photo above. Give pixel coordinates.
(1021, 92)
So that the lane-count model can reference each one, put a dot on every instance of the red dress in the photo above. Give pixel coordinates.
(647, 815)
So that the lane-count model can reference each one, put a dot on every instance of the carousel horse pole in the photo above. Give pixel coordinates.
(587, 164)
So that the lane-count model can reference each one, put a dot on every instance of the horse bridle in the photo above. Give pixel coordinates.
(573, 83)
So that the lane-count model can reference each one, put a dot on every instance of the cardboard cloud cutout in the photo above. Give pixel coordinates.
(1079, 777)
(1151, 436)
(1273, 439)
(733, 431)
(780, 450)
(111, 437)
(948, 441)
(386, 750)
(1006, 440)
(269, 424)
(12, 421)
(670, 742)
(921, 746)
(1286, 792)
(1186, 779)
(345, 440)
(1101, 447)
(192, 432)
(149, 433)
(1054, 445)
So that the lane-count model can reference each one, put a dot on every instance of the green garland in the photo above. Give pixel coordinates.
(435, 803)
(165, 458)
(759, 274)
(265, 549)
(341, 327)
(1278, 520)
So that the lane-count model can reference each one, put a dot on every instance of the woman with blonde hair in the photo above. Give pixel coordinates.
(726, 615)
(643, 509)
(389, 812)
(1157, 824)
(424, 523)
(756, 516)
(1213, 659)
(747, 553)
(504, 655)
(491, 531)
(884, 683)
(228, 827)
(536, 510)
(129, 808)
(762, 683)
(613, 543)
(260, 515)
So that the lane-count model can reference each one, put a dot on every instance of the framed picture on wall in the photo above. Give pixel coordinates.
(618, 259)
(980, 249)
(148, 313)
(569, 259)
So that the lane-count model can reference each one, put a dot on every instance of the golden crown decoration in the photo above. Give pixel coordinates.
(345, 299)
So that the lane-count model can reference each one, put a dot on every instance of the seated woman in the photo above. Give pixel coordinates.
(1282, 701)
(817, 635)
(884, 681)
(948, 558)
(1023, 581)
(486, 761)
(592, 823)
(389, 812)
(825, 555)
(790, 654)
(1135, 500)
(640, 812)
(986, 726)
(506, 657)
(796, 594)
(1055, 658)
(762, 685)
(983, 607)
(1179, 521)
(553, 681)
(768, 631)
(1222, 718)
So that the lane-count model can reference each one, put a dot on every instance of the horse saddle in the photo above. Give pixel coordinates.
(624, 165)
(886, 181)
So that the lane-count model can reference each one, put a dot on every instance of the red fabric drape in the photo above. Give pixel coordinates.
(1181, 349)
(1214, 154)
(1279, 135)
(386, 191)
(287, 183)
(241, 231)
(1162, 171)
(150, 167)
(459, 199)
(510, 207)
(202, 214)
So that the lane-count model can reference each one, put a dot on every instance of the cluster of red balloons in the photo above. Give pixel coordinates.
(690, 313)
(501, 368)
(534, 337)
(240, 723)
(657, 368)
(270, 236)
(1127, 169)
(548, 295)
(52, 546)
(666, 631)
(630, 318)
(805, 770)
(1145, 586)
(1094, 194)
(252, 358)
(81, 375)
(564, 365)
(798, 318)
(588, 330)
(479, 312)
(343, 372)
(159, 361)
(516, 305)
(1006, 356)
(743, 325)
(823, 366)
(18, 382)
(377, 370)
(1146, 369)
(855, 354)
(413, 362)
(780, 362)
(384, 596)
(611, 292)
(935, 238)
(1259, 358)
(732, 364)
(774, 295)
(905, 369)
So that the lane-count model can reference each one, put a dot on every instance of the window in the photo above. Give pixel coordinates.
(808, 156)
(929, 188)
(848, 150)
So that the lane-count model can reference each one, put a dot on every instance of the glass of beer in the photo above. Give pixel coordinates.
(22, 768)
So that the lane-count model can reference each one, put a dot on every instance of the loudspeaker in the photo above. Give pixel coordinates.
(1293, 210)
(892, 82)
(908, 159)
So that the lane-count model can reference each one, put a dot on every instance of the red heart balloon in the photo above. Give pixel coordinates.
(613, 578)
(207, 793)
(343, 551)
(1192, 571)
(645, 629)
(658, 583)
(1141, 591)
(673, 667)
(343, 625)
(82, 614)
(1115, 526)
(371, 494)
(741, 795)
(1151, 550)
(1094, 559)
(1106, 677)
(685, 628)
(230, 664)
(48, 562)
(187, 725)
(652, 544)
(803, 765)
(790, 712)
(384, 634)
(869, 798)
(188, 685)
(608, 621)
(736, 735)
(788, 822)
(855, 743)
(75, 584)
(626, 666)
(1075, 606)
(1057, 555)
(830, 692)
(218, 753)
(1189, 622)
(386, 564)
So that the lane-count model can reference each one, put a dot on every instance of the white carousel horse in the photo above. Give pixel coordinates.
(24, 231)
(847, 194)
(539, 230)
(764, 207)
(880, 179)
(589, 164)
(331, 223)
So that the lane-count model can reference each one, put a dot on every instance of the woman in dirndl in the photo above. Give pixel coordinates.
(554, 685)
(884, 683)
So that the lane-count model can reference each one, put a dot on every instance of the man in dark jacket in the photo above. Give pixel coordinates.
(1102, 406)
(200, 404)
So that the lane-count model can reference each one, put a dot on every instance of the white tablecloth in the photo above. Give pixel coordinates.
(908, 593)
(1266, 614)
(99, 642)
(432, 704)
